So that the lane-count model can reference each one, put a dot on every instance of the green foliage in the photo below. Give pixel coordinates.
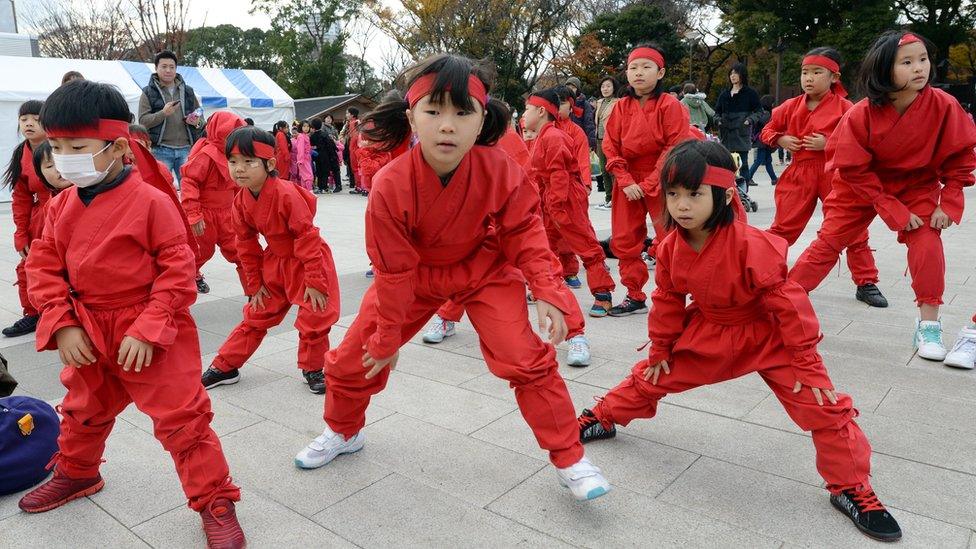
(230, 46)
(622, 30)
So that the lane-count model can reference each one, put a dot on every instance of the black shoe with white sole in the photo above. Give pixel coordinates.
(629, 307)
(591, 429)
(868, 514)
(870, 294)
(215, 378)
(23, 326)
(316, 381)
(202, 286)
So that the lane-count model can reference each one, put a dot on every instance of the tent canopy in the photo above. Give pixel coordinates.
(248, 93)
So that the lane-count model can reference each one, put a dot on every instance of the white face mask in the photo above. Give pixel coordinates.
(80, 168)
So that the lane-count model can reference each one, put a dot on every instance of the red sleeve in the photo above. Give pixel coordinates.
(194, 178)
(249, 251)
(308, 242)
(676, 120)
(668, 308)
(559, 161)
(395, 263)
(23, 205)
(958, 160)
(766, 273)
(47, 283)
(613, 148)
(849, 156)
(776, 127)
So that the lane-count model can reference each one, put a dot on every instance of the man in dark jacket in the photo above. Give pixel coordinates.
(587, 118)
(167, 108)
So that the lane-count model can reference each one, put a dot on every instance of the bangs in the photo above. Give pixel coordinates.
(688, 175)
(452, 86)
(244, 137)
(30, 107)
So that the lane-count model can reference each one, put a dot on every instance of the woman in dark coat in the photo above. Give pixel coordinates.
(736, 110)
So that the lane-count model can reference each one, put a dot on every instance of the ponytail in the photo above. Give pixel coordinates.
(14, 169)
(387, 124)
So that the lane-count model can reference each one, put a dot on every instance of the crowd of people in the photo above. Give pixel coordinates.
(470, 211)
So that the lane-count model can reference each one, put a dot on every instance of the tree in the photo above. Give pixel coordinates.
(361, 78)
(230, 46)
(156, 25)
(944, 22)
(90, 29)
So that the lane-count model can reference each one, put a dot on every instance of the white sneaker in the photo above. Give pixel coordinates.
(584, 480)
(604, 206)
(928, 340)
(327, 447)
(438, 330)
(963, 353)
(579, 352)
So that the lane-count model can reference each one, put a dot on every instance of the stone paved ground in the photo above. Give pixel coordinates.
(450, 461)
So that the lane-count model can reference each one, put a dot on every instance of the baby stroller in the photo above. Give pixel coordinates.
(742, 186)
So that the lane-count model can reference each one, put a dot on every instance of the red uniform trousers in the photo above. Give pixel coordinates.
(511, 349)
(220, 232)
(708, 352)
(847, 217)
(568, 226)
(168, 391)
(34, 231)
(628, 228)
(284, 278)
(802, 183)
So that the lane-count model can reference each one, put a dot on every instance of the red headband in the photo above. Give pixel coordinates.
(106, 130)
(829, 64)
(647, 53)
(908, 38)
(550, 108)
(261, 150)
(424, 85)
(719, 177)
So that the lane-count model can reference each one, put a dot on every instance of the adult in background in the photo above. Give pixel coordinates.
(699, 109)
(350, 137)
(328, 126)
(582, 113)
(604, 105)
(168, 109)
(326, 159)
(735, 109)
(71, 75)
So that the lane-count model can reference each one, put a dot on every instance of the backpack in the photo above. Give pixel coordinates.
(29, 430)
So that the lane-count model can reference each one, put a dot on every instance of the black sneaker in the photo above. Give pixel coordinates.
(629, 307)
(215, 378)
(870, 294)
(605, 244)
(316, 381)
(23, 326)
(202, 286)
(591, 429)
(868, 514)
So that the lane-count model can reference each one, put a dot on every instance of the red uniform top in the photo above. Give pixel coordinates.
(638, 138)
(282, 154)
(552, 168)
(29, 197)
(132, 235)
(739, 276)
(206, 182)
(353, 134)
(415, 225)
(282, 214)
(580, 147)
(931, 143)
(512, 143)
(794, 118)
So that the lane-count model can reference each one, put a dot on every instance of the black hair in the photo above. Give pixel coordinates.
(613, 82)
(689, 87)
(13, 173)
(41, 154)
(827, 52)
(685, 167)
(81, 104)
(743, 72)
(302, 124)
(389, 124)
(767, 102)
(675, 89)
(552, 96)
(659, 88)
(316, 124)
(244, 138)
(165, 54)
(282, 126)
(876, 67)
(504, 109)
(354, 111)
(249, 121)
(138, 129)
(71, 75)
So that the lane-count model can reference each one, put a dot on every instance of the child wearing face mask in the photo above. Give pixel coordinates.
(131, 341)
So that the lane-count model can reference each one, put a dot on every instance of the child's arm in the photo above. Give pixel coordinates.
(249, 251)
(675, 122)
(775, 128)
(558, 161)
(668, 309)
(308, 242)
(21, 208)
(613, 149)
(958, 161)
(193, 178)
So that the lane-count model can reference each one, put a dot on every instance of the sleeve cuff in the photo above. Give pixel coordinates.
(895, 214)
(952, 202)
(53, 319)
(809, 369)
(154, 325)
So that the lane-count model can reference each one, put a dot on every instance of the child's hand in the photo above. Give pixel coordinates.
(940, 219)
(815, 142)
(633, 192)
(23, 253)
(789, 143)
(817, 393)
(199, 227)
(557, 329)
(914, 222)
(257, 300)
(74, 346)
(654, 371)
(375, 365)
(316, 297)
(135, 352)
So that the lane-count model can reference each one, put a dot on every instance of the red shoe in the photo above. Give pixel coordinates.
(58, 491)
(221, 526)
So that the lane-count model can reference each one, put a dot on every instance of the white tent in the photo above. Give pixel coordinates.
(248, 93)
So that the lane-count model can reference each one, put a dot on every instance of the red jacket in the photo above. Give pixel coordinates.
(206, 181)
(29, 197)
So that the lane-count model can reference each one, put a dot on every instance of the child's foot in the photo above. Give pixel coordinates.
(591, 429)
(221, 526)
(215, 378)
(202, 286)
(868, 514)
(326, 447)
(369, 273)
(602, 303)
(439, 330)
(629, 307)
(870, 294)
(963, 353)
(315, 381)
(650, 260)
(58, 491)
(573, 282)
(529, 297)
(24, 326)
(584, 480)
(928, 340)
(579, 352)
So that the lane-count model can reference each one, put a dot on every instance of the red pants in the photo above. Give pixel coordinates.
(29, 309)
(628, 228)
(168, 391)
(284, 278)
(453, 311)
(796, 196)
(708, 353)
(846, 219)
(511, 349)
(219, 231)
(568, 227)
